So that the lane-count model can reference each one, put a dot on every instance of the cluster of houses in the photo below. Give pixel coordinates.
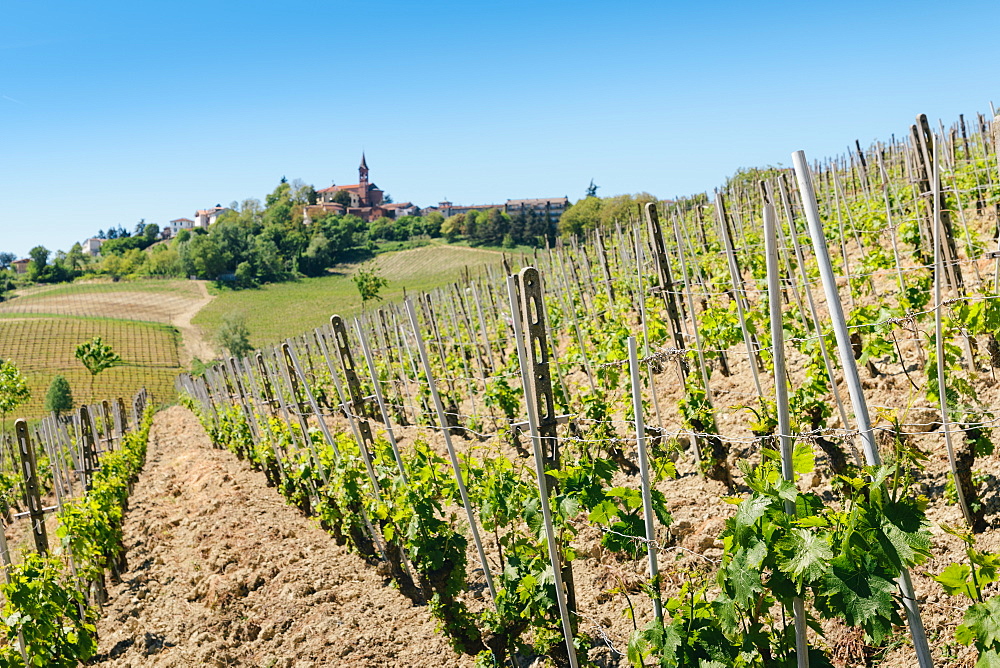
(366, 201)
(202, 219)
(362, 199)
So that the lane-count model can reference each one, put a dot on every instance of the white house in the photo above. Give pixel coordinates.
(171, 229)
(207, 217)
(92, 246)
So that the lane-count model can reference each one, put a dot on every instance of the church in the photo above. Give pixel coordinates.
(362, 199)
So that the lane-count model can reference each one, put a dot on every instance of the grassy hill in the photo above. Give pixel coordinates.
(158, 325)
(280, 310)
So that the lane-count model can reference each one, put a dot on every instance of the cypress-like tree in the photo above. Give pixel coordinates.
(59, 398)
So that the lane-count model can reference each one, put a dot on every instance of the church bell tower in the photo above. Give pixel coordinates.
(363, 181)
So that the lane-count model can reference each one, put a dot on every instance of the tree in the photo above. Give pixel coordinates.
(582, 216)
(245, 276)
(342, 231)
(265, 258)
(492, 227)
(40, 256)
(59, 398)
(318, 256)
(251, 212)
(96, 356)
(343, 198)
(163, 261)
(452, 228)
(279, 205)
(201, 256)
(234, 337)
(370, 283)
(6, 285)
(302, 193)
(76, 258)
(39, 260)
(382, 228)
(13, 390)
(433, 223)
(622, 208)
(5, 260)
(151, 231)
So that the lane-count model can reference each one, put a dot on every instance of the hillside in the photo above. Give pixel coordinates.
(159, 326)
(146, 322)
(279, 310)
(800, 462)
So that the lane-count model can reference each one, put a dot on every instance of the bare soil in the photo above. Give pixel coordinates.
(224, 573)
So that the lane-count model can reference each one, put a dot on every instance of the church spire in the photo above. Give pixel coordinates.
(363, 180)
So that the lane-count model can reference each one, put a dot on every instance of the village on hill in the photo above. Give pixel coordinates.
(363, 199)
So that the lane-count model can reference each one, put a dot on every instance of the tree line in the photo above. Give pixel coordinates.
(254, 242)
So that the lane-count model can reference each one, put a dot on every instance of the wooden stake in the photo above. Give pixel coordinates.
(32, 491)
(517, 309)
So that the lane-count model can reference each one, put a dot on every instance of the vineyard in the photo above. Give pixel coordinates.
(147, 322)
(44, 346)
(64, 488)
(714, 435)
(753, 429)
(151, 301)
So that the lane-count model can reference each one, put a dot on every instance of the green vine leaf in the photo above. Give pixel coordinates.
(751, 510)
(981, 624)
(863, 598)
(989, 659)
(809, 556)
(956, 579)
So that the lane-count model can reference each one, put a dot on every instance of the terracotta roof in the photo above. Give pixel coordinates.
(397, 205)
(181, 220)
(334, 188)
(543, 200)
(475, 206)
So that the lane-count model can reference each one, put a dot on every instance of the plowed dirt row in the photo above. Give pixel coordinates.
(224, 573)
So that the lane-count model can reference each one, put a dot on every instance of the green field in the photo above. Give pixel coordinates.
(280, 310)
(170, 285)
(44, 346)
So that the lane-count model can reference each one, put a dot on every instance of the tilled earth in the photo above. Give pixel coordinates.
(224, 573)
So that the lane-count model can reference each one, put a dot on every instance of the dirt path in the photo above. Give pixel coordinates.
(193, 344)
(224, 573)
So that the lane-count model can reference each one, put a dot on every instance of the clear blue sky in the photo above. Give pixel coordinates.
(111, 112)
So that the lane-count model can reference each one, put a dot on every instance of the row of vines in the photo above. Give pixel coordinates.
(64, 489)
(818, 346)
